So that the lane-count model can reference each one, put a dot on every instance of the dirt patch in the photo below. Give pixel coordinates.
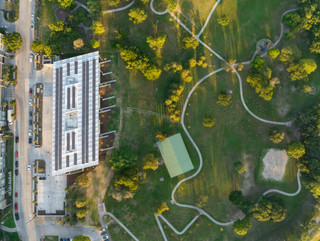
(275, 162)
(61, 15)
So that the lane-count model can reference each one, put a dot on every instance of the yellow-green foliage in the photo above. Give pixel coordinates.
(137, 15)
(174, 66)
(97, 28)
(209, 122)
(172, 5)
(161, 136)
(276, 136)
(273, 53)
(131, 183)
(81, 213)
(156, 42)
(190, 42)
(224, 99)
(201, 62)
(83, 180)
(163, 207)
(224, 20)
(241, 227)
(150, 162)
(186, 75)
(171, 102)
(202, 201)
(81, 201)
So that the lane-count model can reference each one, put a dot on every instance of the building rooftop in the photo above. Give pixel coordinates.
(75, 113)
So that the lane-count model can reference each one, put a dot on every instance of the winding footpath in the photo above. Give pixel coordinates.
(119, 9)
(9, 230)
(202, 212)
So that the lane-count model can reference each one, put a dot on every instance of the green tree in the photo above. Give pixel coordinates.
(289, 36)
(315, 47)
(157, 42)
(295, 149)
(57, 27)
(137, 15)
(224, 20)
(236, 198)
(309, 65)
(190, 42)
(94, 8)
(66, 3)
(122, 159)
(241, 227)
(276, 136)
(289, 53)
(162, 207)
(81, 238)
(172, 5)
(293, 21)
(209, 122)
(113, 2)
(224, 99)
(81, 213)
(150, 162)
(13, 102)
(47, 51)
(130, 182)
(186, 75)
(269, 210)
(258, 62)
(261, 85)
(94, 44)
(97, 28)
(83, 180)
(12, 41)
(239, 167)
(81, 201)
(37, 46)
(273, 53)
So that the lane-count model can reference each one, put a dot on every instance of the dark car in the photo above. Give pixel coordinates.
(30, 91)
(30, 112)
(16, 206)
(16, 172)
(17, 163)
(42, 178)
(16, 154)
(30, 140)
(103, 233)
(17, 216)
(17, 139)
(30, 122)
(16, 194)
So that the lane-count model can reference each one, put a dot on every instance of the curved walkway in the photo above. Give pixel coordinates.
(286, 193)
(9, 230)
(155, 11)
(119, 9)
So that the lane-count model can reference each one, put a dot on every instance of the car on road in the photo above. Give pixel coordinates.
(30, 133)
(105, 237)
(17, 139)
(16, 154)
(30, 140)
(16, 206)
(42, 178)
(30, 113)
(30, 101)
(30, 91)
(17, 164)
(103, 233)
(16, 194)
(30, 122)
(31, 58)
(16, 172)
(102, 230)
(32, 25)
(16, 216)
(29, 168)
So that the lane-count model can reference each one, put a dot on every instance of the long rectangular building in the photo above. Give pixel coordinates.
(76, 104)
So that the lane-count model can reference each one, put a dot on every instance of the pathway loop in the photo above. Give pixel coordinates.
(119, 9)
(155, 11)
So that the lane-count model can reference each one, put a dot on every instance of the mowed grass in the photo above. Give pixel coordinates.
(47, 17)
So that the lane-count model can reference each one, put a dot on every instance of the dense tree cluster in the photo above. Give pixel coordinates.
(295, 149)
(137, 15)
(12, 41)
(276, 136)
(209, 122)
(193, 62)
(241, 227)
(171, 102)
(269, 210)
(237, 199)
(122, 159)
(190, 42)
(157, 42)
(136, 60)
(38, 47)
(94, 8)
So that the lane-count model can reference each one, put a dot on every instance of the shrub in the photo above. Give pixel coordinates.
(273, 53)
(295, 149)
(137, 15)
(241, 227)
(209, 122)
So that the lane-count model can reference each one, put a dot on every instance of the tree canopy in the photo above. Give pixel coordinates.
(78, 43)
(162, 207)
(295, 149)
(273, 53)
(83, 180)
(37, 46)
(190, 42)
(12, 41)
(241, 227)
(156, 42)
(209, 122)
(258, 62)
(97, 28)
(269, 210)
(276, 136)
(94, 43)
(239, 167)
(137, 15)
(65, 4)
(150, 162)
(122, 159)
(293, 21)
(224, 20)
(236, 198)
(224, 99)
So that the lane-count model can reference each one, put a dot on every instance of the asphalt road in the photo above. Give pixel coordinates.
(23, 182)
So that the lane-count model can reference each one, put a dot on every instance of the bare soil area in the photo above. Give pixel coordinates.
(275, 162)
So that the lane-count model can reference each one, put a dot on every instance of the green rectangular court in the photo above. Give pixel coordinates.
(175, 155)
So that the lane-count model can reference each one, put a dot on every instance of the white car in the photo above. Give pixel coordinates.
(30, 133)
(30, 101)
(31, 58)
(29, 168)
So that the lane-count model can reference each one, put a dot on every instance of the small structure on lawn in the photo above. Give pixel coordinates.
(175, 155)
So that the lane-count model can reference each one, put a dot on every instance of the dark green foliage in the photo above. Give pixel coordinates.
(289, 36)
(258, 63)
(12, 41)
(241, 227)
(122, 159)
(293, 21)
(269, 210)
(295, 149)
(236, 198)
(94, 8)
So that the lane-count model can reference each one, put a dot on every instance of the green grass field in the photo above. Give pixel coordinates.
(9, 236)
(51, 238)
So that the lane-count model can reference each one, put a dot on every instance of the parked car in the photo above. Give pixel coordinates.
(30, 140)
(30, 101)
(32, 25)
(30, 113)
(16, 206)
(103, 233)
(16, 154)
(29, 168)
(30, 122)
(30, 91)
(16, 172)
(17, 164)
(42, 178)
(31, 58)
(16, 216)
(16, 194)
(30, 133)
(17, 139)
(105, 237)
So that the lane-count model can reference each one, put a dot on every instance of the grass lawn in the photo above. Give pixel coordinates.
(9, 236)
(46, 15)
(51, 238)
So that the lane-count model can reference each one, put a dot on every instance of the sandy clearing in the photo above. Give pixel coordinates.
(275, 162)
